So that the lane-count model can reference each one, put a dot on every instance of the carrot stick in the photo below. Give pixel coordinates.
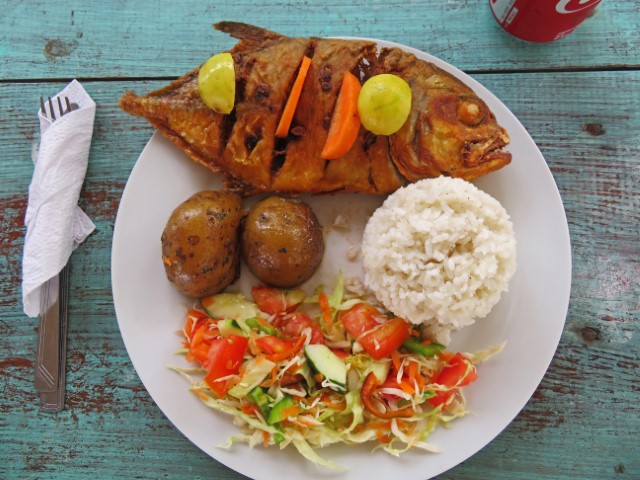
(292, 101)
(345, 121)
(323, 300)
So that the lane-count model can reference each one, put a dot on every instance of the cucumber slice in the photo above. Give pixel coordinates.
(327, 363)
(279, 410)
(305, 371)
(262, 400)
(229, 327)
(229, 305)
(257, 370)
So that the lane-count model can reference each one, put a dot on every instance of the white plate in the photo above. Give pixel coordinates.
(530, 317)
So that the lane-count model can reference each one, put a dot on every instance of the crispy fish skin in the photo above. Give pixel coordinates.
(450, 130)
(178, 112)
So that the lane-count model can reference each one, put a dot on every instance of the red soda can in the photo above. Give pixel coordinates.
(541, 20)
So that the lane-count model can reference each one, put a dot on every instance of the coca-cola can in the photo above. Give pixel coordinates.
(541, 20)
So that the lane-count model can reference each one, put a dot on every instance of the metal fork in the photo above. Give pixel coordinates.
(51, 358)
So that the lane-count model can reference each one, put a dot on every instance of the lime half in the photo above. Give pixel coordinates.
(384, 103)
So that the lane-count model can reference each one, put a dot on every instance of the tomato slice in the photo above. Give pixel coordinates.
(271, 344)
(224, 358)
(360, 319)
(391, 382)
(277, 349)
(192, 319)
(293, 325)
(341, 354)
(452, 375)
(379, 339)
(275, 301)
(200, 330)
(386, 338)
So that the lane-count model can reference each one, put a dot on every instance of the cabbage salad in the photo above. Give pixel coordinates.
(316, 370)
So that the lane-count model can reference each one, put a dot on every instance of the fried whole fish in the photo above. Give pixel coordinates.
(450, 130)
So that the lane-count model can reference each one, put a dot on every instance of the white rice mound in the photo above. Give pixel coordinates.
(439, 253)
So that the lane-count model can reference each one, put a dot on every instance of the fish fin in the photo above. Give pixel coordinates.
(247, 33)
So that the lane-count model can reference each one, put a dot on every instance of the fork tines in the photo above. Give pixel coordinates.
(52, 112)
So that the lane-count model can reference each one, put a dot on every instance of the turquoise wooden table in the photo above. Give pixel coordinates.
(579, 98)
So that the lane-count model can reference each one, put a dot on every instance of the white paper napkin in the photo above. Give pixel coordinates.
(55, 223)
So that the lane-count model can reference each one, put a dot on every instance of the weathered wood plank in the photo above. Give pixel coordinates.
(582, 421)
(166, 38)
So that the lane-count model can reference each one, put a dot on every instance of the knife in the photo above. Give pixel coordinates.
(51, 356)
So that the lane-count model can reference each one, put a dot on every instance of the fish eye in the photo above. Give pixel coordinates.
(470, 112)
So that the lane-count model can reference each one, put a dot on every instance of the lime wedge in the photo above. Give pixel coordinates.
(217, 83)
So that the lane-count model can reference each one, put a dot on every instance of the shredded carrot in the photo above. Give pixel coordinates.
(336, 405)
(305, 423)
(446, 356)
(412, 371)
(345, 121)
(202, 396)
(265, 438)
(406, 387)
(380, 424)
(207, 302)
(274, 375)
(292, 411)
(323, 300)
(288, 353)
(406, 427)
(188, 327)
(382, 438)
(262, 321)
(329, 402)
(414, 375)
(294, 97)
(395, 358)
(318, 377)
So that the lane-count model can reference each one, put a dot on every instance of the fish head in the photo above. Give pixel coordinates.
(458, 135)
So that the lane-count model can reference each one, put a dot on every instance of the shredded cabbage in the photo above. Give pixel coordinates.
(319, 412)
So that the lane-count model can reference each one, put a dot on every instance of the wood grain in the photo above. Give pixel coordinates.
(581, 423)
(118, 39)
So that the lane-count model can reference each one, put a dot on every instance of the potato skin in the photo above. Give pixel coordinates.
(282, 242)
(200, 247)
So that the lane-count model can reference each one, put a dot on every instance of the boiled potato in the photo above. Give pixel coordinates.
(282, 242)
(200, 243)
